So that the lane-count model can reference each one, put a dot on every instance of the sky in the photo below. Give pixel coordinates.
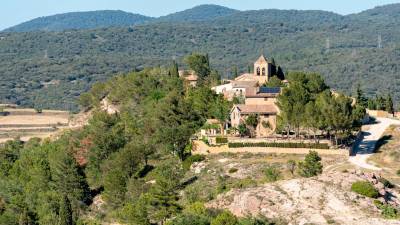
(13, 12)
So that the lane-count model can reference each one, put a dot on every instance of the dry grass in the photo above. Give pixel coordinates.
(33, 119)
(388, 154)
(227, 171)
(26, 123)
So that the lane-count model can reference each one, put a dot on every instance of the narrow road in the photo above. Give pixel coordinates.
(366, 145)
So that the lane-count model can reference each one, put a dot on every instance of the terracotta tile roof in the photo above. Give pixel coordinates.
(257, 109)
(245, 84)
(261, 60)
(192, 77)
(246, 77)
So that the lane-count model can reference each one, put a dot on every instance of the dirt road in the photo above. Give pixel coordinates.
(366, 145)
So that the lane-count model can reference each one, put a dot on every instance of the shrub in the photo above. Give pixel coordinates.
(272, 173)
(398, 172)
(225, 218)
(311, 166)
(243, 183)
(192, 159)
(280, 145)
(387, 211)
(386, 183)
(365, 188)
(233, 170)
(221, 140)
(38, 110)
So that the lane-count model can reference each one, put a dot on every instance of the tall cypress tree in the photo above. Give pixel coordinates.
(174, 71)
(65, 213)
(360, 98)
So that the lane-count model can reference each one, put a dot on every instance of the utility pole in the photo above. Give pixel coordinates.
(379, 41)
(328, 44)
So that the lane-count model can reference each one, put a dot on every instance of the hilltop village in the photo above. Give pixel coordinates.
(177, 147)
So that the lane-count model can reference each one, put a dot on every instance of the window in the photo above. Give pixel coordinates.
(263, 71)
(258, 71)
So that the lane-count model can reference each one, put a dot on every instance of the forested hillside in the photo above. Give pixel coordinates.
(50, 69)
(81, 20)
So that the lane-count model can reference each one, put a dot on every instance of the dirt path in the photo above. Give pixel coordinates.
(366, 145)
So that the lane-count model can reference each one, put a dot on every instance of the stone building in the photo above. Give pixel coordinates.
(262, 72)
(261, 102)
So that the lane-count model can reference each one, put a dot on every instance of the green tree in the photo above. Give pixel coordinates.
(272, 173)
(163, 196)
(389, 104)
(65, 213)
(225, 218)
(199, 64)
(311, 166)
(242, 129)
(68, 177)
(274, 82)
(252, 123)
(174, 70)
(360, 97)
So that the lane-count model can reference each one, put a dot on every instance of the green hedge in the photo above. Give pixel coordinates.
(280, 145)
(365, 188)
(221, 140)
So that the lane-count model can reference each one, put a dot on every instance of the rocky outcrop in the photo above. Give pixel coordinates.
(325, 199)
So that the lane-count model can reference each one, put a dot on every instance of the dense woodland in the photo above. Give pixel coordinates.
(51, 69)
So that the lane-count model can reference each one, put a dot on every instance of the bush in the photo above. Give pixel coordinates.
(221, 140)
(272, 173)
(187, 163)
(225, 218)
(233, 170)
(280, 145)
(398, 173)
(386, 183)
(311, 166)
(387, 211)
(365, 188)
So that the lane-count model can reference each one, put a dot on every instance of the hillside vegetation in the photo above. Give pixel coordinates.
(80, 20)
(51, 69)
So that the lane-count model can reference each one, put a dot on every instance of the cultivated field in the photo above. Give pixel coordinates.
(27, 123)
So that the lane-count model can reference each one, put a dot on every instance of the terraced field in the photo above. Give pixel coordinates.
(27, 123)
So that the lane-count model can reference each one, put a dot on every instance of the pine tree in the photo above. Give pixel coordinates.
(311, 166)
(67, 176)
(65, 213)
(360, 98)
(389, 104)
(163, 196)
(235, 72)
(249, 69)
(174, 71)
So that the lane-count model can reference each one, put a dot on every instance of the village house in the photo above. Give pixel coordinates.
(190, 76)
(235, 88)
(259, 100)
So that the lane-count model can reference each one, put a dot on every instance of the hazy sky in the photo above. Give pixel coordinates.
(13, 12)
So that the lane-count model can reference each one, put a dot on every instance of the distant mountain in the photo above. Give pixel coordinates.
(51, 69)
(198, 13)
(81, 20)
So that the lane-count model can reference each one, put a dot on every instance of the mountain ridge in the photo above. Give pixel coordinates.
(200, 13)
